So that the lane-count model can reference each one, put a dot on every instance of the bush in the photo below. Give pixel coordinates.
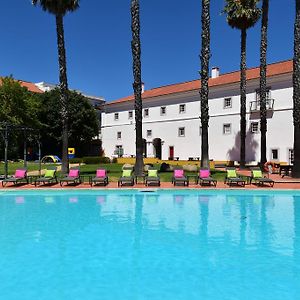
(114, 160)
(92, 160)
(75, 160)
(164, 167)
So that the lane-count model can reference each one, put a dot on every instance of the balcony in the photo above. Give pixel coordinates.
(255, 105)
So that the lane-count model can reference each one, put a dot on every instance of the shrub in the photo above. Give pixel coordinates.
(91, 160)
(75, 160)
(114, 160)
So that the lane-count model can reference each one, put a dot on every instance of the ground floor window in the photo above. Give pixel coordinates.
(119, 150)
(119, 135)
(226, 128)
(274, 154)
(181, 131)
(254, 127)
(149, 133)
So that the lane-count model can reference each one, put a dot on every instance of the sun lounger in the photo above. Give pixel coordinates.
(49, 177)
(232, 178)
(19, 177)
(126, 178)
(152, 178)
(73, 177)
(179, 177)
(205, 178)
(101, 177)
(258, 178)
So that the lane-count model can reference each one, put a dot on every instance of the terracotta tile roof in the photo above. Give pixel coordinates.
(29, 85)
(234, 77)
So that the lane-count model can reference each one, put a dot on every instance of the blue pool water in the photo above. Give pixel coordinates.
(162, 245)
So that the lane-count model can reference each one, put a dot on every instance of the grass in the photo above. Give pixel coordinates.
(114, 170)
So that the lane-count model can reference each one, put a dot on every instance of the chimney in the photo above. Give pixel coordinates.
(215, 72)
(143, 87)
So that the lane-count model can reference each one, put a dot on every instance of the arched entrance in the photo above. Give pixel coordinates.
(157, 148)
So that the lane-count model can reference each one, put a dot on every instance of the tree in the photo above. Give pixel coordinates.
(296, 92)
(205, 55)
(137, 85)
(83, 120)
(59, 8)
(263, 81)
(19, 107)
(242, 15)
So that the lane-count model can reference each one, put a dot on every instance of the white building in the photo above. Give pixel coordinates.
(171, 119)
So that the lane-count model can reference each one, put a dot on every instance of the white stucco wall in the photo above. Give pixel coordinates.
(221, 146)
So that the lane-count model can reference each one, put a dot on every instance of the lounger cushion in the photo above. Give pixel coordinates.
(50, 173)
(257, 173)
(178, 173)
(126, 173)
(231, 173)
(20, 173)
(204, 173)
(152, 173)
(101, 173)
(73, 173)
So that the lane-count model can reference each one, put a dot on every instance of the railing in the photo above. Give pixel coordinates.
(255, 105)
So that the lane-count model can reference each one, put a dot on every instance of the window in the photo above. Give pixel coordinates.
(146, 112)
(226, 128)
(227, 103)
(254, 127)
(130, 114)
(182, 108)
(119, 135)
(200, 130)
(163, 110)
(116, 116)
(258, 94)
(181, 131)
(149, 133)
(274, 154)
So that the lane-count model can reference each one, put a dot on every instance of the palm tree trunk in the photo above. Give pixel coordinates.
(243, 98)
(137, 85)
(296, 95)
(263, 82)
(63, 86)
(205, 56)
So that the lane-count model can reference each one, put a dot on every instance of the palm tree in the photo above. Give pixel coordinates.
(263, 81)
(242, 15)
(296, 93)
(205, 55)
(137, 85)
(59, 9)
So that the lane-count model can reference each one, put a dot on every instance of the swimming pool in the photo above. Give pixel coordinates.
(165, 244)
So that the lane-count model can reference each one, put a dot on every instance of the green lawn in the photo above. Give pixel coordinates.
(114, 170)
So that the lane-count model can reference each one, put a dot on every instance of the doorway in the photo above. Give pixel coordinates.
(171, 152)
(157, 148)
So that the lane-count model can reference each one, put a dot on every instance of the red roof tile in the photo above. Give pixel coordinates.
(234, 77)
(30, 86)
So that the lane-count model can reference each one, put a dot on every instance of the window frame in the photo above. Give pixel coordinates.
(276, 149)
(147, 131)
(229, 126)
(224, 103)
(144, 114)
(179, 129)
(161, 110)
(130, 112)
(119, 135)
(184, 108)
(251, 127)
(116, 116)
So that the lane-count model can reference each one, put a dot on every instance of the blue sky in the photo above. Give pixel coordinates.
(98, 43)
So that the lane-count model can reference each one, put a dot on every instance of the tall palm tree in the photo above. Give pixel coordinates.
(263, 81)
(205, 56)
(59, 8)
(296, 93)
(242, 15)
(137, 85)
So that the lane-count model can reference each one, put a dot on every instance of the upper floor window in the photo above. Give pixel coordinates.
(146, 112)
(130, 114)
(226, 128)
(227, 103)
(119, 135)
(149, 133)
(163, 110)
(182, 108)
(116, 116)
(258, 94)
(254, 127)
(181, 131)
